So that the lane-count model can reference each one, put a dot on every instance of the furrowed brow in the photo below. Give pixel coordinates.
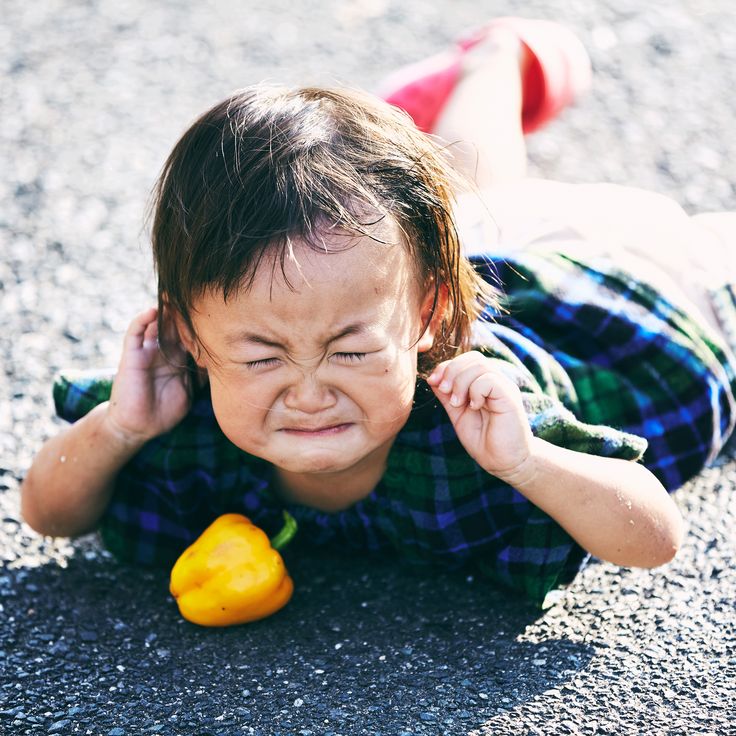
(357, 328)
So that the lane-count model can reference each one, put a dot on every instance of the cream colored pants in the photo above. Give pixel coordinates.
(651, 235)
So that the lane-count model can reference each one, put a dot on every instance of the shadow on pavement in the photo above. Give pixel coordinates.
(364, 644)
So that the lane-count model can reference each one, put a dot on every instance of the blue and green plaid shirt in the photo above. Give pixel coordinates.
(606, 366)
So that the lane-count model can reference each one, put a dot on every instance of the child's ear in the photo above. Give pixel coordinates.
(186, 336)
(426, 341)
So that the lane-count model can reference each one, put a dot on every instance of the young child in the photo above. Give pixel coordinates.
(322, 344)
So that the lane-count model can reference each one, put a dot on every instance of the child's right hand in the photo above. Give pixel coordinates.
(150, 393)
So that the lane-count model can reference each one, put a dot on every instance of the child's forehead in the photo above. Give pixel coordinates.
(366, 280)
(336, 260)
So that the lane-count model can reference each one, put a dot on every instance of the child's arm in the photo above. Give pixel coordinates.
(615, 509)
(71, 480)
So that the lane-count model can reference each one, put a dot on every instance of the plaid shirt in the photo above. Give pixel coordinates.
(603, 361)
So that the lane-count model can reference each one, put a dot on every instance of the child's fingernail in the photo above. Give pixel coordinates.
(445, 386)
(432, 378)
(454, 400)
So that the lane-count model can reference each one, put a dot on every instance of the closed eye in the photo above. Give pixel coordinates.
(350, 357)
(266, 362)
(343, 357)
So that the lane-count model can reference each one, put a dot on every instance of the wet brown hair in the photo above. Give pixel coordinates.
(271, 164)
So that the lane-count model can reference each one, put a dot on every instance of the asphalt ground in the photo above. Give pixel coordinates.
(94, 94)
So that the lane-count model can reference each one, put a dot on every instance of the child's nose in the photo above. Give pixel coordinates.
(309, 394)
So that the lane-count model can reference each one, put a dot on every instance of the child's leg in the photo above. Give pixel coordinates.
(482, 119)
(718, 260)
(686, 258)
(723, 226)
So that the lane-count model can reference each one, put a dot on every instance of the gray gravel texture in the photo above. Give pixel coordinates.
(94, 94)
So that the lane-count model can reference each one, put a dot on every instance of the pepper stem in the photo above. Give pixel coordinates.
(285, 535)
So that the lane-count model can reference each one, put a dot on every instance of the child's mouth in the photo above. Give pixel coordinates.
(317, 431)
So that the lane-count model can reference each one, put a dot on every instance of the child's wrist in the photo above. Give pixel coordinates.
(525, 474)
(125, 439)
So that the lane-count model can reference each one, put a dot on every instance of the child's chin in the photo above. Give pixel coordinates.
(319, 463)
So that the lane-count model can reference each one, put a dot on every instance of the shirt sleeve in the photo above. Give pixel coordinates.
(438, 505)
(529, 551)
(546, 399)
(161, 501)
(167, 494)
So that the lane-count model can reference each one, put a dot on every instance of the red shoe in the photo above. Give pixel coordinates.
(559, 72)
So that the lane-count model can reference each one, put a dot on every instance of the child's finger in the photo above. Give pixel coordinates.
(491, 385)
(444, 374)
(462, 381)
(452, 369)
(135, 335)
(436, 376)
(171, 332)
(150, 336)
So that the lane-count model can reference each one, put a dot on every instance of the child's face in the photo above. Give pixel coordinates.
(319, 378)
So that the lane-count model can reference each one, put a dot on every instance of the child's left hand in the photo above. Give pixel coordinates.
(486, 410)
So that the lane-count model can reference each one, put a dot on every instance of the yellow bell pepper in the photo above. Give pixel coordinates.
(232, 573)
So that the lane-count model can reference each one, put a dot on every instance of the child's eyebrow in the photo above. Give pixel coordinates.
(357, 328)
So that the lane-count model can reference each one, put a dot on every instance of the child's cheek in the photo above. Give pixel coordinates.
(383, 363)
(379, 364)
(394, 375)
(238, 385)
